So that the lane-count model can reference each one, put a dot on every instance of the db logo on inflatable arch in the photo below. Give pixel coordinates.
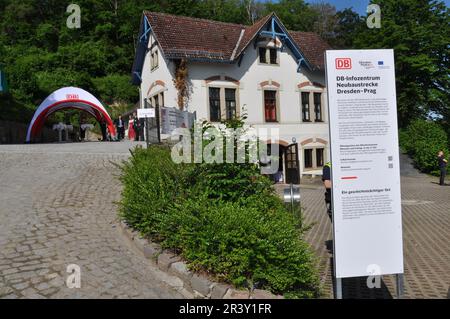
(72, 96)
(343, 63)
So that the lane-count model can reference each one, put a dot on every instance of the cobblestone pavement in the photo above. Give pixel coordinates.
(426, 239)
(57, 208)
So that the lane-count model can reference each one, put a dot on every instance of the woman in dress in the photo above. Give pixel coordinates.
(131, 131)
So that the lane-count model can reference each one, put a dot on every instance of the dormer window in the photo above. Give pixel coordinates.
(154, 60)
(262, 55)
(268, 55)
(273, 56)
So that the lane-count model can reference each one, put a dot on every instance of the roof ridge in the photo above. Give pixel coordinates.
(196, 19)
(262, 18)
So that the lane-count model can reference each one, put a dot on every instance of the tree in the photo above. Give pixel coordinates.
(115, 88)
(220, 10)
(326, 20)
(422, 140)
(295, 14)
(349, 24)
(419, 33)
(40, 54)
(254, 10)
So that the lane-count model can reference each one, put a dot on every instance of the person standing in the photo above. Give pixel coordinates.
(82, 133)
(442, 167)
(120, 128)
(137, 127)
(131, 129)
(82, 121)
(326, 178)
(103, 129)
(142, 124)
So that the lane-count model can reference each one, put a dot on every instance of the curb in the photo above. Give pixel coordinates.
(197, 285)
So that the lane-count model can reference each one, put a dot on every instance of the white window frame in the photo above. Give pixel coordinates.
(223, 111)
(313, 157)
(267, 55)
(311, 105)
(154, 60)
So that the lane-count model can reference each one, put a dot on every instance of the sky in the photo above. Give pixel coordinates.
(359, 6)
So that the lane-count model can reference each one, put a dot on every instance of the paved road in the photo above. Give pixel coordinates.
(426, 239)
(56, 209)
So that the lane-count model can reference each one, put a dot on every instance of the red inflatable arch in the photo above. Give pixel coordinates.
(68, 98)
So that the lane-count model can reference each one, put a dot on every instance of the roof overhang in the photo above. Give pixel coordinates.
(141, 50)
(273, 29)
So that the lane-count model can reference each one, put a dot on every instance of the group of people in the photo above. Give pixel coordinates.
(326, 178)
(135, 128)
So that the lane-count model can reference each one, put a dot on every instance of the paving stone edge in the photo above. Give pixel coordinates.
(197, 285)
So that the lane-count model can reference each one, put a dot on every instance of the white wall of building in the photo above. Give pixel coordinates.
(150, 85)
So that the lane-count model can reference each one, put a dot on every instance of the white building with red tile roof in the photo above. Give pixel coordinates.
(274, 75)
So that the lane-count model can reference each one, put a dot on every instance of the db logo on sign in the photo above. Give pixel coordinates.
(343, 63)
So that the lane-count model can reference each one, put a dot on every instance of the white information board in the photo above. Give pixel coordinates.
(367, 218)
(145, 113)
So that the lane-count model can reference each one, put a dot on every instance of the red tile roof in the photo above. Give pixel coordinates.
(185, 37)
(194, 38)
(251, 32)
(312, 46)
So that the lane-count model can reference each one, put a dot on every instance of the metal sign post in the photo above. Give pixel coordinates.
(147, 140)
(158, 124)
(338, 294)
(146, 113)
(400, 289)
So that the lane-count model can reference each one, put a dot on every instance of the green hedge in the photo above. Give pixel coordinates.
(422, 140)
(246, 238)
(152, 182)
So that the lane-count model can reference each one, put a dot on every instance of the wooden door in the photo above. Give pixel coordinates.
(292, 166)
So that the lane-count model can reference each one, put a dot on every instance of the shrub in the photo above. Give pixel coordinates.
(243, 245)
(151, 183)
(422, 140)
(224, 220)
(231, 182)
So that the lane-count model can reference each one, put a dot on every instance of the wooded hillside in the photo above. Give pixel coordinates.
(39, 54)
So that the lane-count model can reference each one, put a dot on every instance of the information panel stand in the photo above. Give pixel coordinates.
(367, 224)
(147, 113)
(398, 280)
